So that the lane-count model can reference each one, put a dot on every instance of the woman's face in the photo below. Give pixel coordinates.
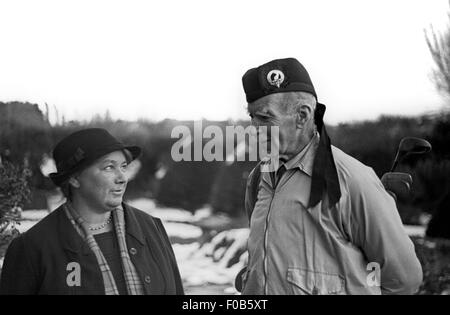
(102, 185)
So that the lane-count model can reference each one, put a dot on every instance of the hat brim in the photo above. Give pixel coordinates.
(60, 177)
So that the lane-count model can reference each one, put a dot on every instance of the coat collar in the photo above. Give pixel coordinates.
(69, 237)
(132, 226)
(304, 160)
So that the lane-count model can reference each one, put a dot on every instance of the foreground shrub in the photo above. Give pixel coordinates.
(14, 192)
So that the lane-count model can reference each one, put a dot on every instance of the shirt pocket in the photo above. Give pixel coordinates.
(309, 282)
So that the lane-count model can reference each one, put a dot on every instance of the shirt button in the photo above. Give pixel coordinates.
(133, 251)
(147, 279)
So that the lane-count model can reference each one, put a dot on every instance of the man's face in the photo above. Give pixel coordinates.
(103, 184)
(269, 111)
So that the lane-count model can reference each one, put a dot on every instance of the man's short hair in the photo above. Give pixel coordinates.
(293, 100)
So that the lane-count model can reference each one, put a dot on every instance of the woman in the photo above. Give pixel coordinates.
(94, 243)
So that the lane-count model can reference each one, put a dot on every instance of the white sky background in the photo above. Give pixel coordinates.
(185, 59)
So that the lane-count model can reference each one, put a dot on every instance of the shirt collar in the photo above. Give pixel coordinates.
(304, 160)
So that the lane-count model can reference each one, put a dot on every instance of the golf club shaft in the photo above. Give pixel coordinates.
(394, 166)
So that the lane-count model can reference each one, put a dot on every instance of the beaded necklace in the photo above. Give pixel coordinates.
(101, 226)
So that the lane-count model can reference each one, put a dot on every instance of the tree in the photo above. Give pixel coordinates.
(439, 45)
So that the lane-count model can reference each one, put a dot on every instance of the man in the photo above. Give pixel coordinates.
(322, 223)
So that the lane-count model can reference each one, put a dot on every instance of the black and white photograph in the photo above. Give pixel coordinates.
(224, 148)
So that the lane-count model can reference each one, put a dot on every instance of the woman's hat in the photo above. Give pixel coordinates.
(80, 149)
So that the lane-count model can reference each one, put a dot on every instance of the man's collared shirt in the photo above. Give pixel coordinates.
(328, 249)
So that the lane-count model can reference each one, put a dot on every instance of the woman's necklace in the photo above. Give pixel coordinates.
(101, 226)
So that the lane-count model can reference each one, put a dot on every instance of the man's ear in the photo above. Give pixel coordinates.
(73, 181)
(304, 114)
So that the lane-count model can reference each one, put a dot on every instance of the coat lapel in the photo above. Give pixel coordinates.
(132, 227)
(69, 237)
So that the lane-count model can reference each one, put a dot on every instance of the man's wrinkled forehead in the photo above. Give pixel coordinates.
(268, 102)
(278, 100)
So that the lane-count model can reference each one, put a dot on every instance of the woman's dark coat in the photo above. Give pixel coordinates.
(42, 260)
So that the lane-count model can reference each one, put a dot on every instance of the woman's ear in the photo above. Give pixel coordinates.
(73, 181)
(304, 114)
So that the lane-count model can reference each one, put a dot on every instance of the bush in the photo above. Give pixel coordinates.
(14, 191)
(374, 143)
(228, 190)
(434, 256)
(187, 184)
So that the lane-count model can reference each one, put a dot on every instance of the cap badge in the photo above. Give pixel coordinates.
(275, 77)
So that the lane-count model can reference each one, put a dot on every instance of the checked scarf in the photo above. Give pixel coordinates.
(134, 285)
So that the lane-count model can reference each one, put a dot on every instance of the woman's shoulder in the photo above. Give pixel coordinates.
(39, 235)
(142, 217)
(140, 214)
(149, 224)
(45, 227)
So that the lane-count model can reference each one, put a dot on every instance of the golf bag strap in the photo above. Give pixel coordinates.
(253, 181)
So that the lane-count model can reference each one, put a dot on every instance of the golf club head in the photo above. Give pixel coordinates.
(397, 183)
(412, 145)
(408, 146)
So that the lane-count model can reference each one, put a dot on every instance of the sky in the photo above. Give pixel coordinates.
(185, 59)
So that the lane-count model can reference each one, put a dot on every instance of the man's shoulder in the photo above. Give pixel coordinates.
(346, 163)
(353, 173)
